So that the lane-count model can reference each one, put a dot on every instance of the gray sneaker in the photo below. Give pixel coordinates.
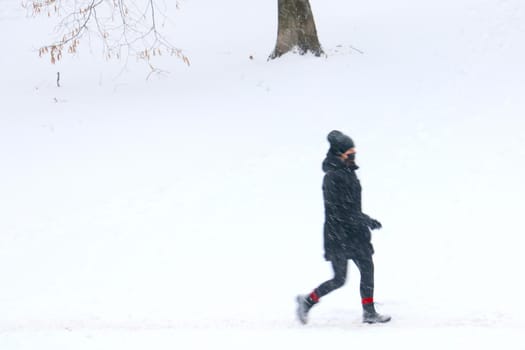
(303, 307)
(374, 317)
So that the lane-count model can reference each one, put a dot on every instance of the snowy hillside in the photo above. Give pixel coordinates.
(185, 211)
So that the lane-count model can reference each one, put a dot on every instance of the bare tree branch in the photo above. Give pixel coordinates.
(124, 27)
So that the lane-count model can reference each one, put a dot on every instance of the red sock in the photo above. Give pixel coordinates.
(314, 297)
(367, 301)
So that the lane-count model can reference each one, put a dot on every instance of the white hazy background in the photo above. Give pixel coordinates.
(185, 211)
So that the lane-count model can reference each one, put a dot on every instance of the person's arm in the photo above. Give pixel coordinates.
(372, 224)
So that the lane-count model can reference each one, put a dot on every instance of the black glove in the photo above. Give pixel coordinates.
(373, 224)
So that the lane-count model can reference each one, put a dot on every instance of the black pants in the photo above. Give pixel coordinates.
(340, 266)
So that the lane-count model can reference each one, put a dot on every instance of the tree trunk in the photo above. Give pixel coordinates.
(296, 29)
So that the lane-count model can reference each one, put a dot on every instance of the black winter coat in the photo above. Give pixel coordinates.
(346, 232)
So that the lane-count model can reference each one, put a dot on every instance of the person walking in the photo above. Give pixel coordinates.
(347, 233)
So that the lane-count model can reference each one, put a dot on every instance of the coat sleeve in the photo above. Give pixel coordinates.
(337, 196)
(341, 202)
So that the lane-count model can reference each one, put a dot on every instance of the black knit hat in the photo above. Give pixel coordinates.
(339, 142)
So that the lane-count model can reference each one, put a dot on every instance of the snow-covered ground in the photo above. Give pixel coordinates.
(186, 210)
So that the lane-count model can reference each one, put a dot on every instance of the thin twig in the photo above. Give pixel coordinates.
(353, 48)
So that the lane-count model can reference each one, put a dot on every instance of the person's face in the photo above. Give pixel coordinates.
(349, 154)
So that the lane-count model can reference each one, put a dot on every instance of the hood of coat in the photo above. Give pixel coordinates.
(333, 162)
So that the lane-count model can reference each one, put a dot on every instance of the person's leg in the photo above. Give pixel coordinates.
(366, 269)
(306, 302)
(340, 267)
(366, 287)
